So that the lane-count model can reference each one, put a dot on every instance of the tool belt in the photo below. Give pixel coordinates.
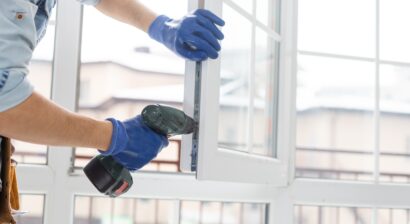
(9, 197)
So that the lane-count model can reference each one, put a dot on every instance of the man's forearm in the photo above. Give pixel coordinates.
(40, 121)
(131, 12)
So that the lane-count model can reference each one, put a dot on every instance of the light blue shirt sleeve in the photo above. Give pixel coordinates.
(15, 88)
(89, 2)
(17, 42)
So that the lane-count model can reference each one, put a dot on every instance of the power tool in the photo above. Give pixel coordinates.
(112, 178)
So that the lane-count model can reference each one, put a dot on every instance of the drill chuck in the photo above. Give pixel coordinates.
(167, 120)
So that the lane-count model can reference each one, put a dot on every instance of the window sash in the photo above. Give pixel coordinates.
(212, 160)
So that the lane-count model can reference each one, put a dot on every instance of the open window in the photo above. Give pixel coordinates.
(243, 100)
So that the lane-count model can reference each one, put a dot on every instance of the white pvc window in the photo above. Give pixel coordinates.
(61, 185)
(239, 95)
(353, 98)
(352, 112)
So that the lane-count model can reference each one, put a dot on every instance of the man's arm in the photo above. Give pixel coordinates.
(40, 121)
(128, 11)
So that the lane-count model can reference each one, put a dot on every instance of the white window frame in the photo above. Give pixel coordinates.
(60, 185)
(218, 164)
(341, 193)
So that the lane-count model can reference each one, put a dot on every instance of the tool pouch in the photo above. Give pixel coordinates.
(9, 197)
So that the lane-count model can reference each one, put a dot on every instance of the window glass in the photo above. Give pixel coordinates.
(34, 206)
(123, 210)
(122, 76)
(254, 213)
(90, 210)
(268, 13)
(216, 212)
(246, 5)
(393, 216)
(336, 129)
(248, 91)
(190, 212)
(394, 44)
(40, 76)
(394, 123)
(334, 215)
(344, 27)
(335, 118)
(235, 73)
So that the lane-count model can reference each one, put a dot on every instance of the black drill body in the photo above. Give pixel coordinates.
(112, 178)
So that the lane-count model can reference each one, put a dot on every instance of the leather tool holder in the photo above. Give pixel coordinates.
(9, 197)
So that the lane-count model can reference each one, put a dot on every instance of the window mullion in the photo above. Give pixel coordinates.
(251, 79)
(59, 201)
(376, 121)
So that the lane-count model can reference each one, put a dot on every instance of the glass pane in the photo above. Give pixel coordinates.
(334, 215)
(90, 210)
(231, 213)
(193, 212)
(337, 26)
(238, 101)
(334, 118)
(394, 40)
(34, 206)
(265, 95)
(254, 213)
(190, 212)
(122, 79)
(40, 76)
(234, 89)
(246, 5)
(268, 12)
(393, 216)
(29, 153)
(211, 212)
(395, 123)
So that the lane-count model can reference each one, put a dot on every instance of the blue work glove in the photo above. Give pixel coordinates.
(134, 144)
(194, 37)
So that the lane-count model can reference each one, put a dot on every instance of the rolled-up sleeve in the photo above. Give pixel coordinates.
(17, 42)
(89, 2)
(14, 88)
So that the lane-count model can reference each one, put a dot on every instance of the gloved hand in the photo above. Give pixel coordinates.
(193, 37)
(133, 144)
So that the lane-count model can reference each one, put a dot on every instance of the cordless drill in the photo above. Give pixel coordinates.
(112, 178)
